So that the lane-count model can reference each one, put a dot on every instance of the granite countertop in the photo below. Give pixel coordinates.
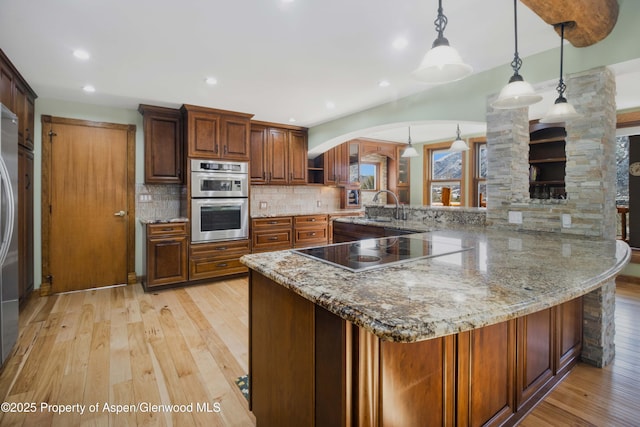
(505, 275)
(299, 213)
(162, 220)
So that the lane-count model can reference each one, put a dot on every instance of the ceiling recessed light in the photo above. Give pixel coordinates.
(81, 54)
(384, 83)
(211, 81)
(330, 105)
(292, 120)
(400, 43)
(88, 88)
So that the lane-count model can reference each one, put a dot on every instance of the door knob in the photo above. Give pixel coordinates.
(121, 213)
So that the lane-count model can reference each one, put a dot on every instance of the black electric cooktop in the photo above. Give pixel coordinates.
(370, 254)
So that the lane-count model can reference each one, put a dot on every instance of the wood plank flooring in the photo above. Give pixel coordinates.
(120, 345)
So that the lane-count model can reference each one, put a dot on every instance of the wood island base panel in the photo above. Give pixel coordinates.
(475, 339)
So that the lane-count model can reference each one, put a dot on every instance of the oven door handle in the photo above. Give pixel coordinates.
(222, 202)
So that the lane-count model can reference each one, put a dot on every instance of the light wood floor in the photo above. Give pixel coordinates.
(120, 345)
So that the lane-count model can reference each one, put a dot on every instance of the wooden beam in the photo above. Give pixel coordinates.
(594, 19)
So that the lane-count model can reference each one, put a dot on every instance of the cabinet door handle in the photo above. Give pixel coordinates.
(28, 178)
(273, 238)
(222, 265)
(312, 234)
(225, 150)
(273, 222)
(221, 248)
(264, 176)
(311, 219)
(216, 149)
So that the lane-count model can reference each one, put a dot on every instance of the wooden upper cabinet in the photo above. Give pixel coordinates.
(258, 164)
(234, 137)
(381, 148)
(6, 86)
(163, 147)
(336, 165)
(297, 157)
(216, 134)
(278, 154)
(18, 97)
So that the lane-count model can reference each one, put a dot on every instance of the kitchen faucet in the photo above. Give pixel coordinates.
(375, 199)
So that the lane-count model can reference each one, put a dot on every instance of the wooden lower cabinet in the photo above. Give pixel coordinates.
(212, 260)
(309, 367)
(166, 254)
(485, 386)
(310, 230)
(286, 232)
(272, 234)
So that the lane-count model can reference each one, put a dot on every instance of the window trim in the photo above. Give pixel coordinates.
(377, 178)
(427, 168)
(475, 144)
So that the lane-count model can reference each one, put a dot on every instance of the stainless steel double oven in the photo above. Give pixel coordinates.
(219, 200)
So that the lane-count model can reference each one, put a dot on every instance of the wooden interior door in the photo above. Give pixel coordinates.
(90, 208)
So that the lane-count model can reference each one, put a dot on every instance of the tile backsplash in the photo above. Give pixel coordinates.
(272, 200)
(158, 202)
(163, 201)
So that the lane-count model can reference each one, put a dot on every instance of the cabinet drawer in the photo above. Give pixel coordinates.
(270, 223)
(168, 229)
(309, 220)
(310, 236)
(219, 250)
(208, 267)
(277, 237)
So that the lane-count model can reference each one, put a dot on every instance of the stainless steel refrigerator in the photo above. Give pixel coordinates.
(8, 232)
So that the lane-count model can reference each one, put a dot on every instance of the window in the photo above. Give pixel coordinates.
(480, 174)
(369, 176)
(444, 175)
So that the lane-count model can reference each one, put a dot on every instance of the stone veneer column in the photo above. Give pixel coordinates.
(598, 326)
(508, 161)
(590, 147)
(591, 190)
(590, 183)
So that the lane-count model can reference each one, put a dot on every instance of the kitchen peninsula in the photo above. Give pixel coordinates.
(472, 336)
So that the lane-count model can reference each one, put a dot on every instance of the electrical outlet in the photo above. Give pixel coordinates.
(515, 217)
(263, 205)
(566, 221)
(318, 203)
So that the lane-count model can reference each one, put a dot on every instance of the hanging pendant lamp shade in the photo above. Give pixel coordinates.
(518, 93)
(410, 151)
(442, 63)
(459, 144)
(561, 110)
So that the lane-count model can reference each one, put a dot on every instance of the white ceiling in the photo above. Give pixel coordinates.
(272, 58)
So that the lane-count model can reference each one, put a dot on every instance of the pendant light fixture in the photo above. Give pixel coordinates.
(459, 144)
(410, 151)
(517, 93)
(442, 63)
(561, 110)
